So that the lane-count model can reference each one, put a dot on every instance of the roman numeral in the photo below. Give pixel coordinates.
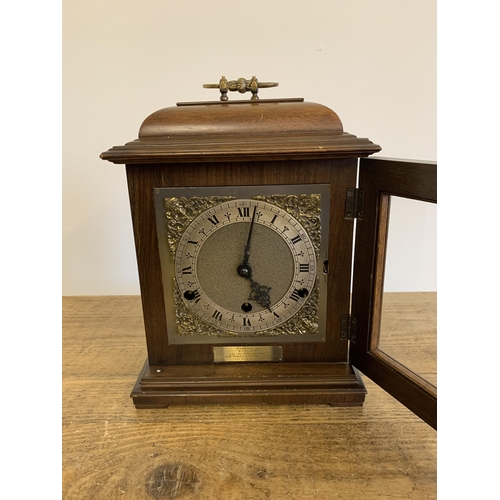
(303, 268)
(273, 219)
(244, 212)
(186, 270)
(217, 315)
(193, 242)
(246, 322)
(295, 295)
(214, 220)
(277, 315)
(296, 239)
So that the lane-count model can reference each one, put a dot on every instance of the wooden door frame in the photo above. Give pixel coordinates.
(379, 179)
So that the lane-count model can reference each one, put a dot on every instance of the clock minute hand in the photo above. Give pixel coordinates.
(244, 269)
(247, 247)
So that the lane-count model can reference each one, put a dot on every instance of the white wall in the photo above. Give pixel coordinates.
(372, 61)
(411, 252)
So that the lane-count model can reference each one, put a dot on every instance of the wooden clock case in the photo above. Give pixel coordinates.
(252, 143)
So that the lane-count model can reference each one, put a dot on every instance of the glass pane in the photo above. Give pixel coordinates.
(408, 330)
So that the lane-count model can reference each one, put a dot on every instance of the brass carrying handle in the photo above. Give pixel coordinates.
(241, 85)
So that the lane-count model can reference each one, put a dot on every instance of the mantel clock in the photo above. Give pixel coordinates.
(243, 214)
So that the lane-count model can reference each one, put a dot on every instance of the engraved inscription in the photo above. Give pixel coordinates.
(234, 354)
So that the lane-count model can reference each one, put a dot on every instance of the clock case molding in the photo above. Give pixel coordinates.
(270, 142)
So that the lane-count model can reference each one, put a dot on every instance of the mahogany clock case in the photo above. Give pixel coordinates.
(339, 175)
(309, 372)
(260, 143)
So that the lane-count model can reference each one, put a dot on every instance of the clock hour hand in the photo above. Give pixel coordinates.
(260, 294)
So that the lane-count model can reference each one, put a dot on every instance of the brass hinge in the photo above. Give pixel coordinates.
(348, 328)
(354, 203)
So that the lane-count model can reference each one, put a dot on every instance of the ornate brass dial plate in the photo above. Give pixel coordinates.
(244, 264)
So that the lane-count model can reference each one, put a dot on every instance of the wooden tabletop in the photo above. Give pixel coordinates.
(113, 451)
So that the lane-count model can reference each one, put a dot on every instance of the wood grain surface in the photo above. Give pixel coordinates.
(113, 451)
(241, 131)
(408, 331)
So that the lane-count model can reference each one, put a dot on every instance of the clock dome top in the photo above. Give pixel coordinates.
(241, 118)
(241, 130)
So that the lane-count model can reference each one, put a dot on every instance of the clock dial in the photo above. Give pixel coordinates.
(240, 264)
(245, 265)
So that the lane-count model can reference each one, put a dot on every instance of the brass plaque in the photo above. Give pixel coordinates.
(233, 354)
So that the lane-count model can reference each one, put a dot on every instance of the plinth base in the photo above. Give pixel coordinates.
(337, 384)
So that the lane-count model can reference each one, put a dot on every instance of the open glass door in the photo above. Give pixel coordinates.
(394, 284)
